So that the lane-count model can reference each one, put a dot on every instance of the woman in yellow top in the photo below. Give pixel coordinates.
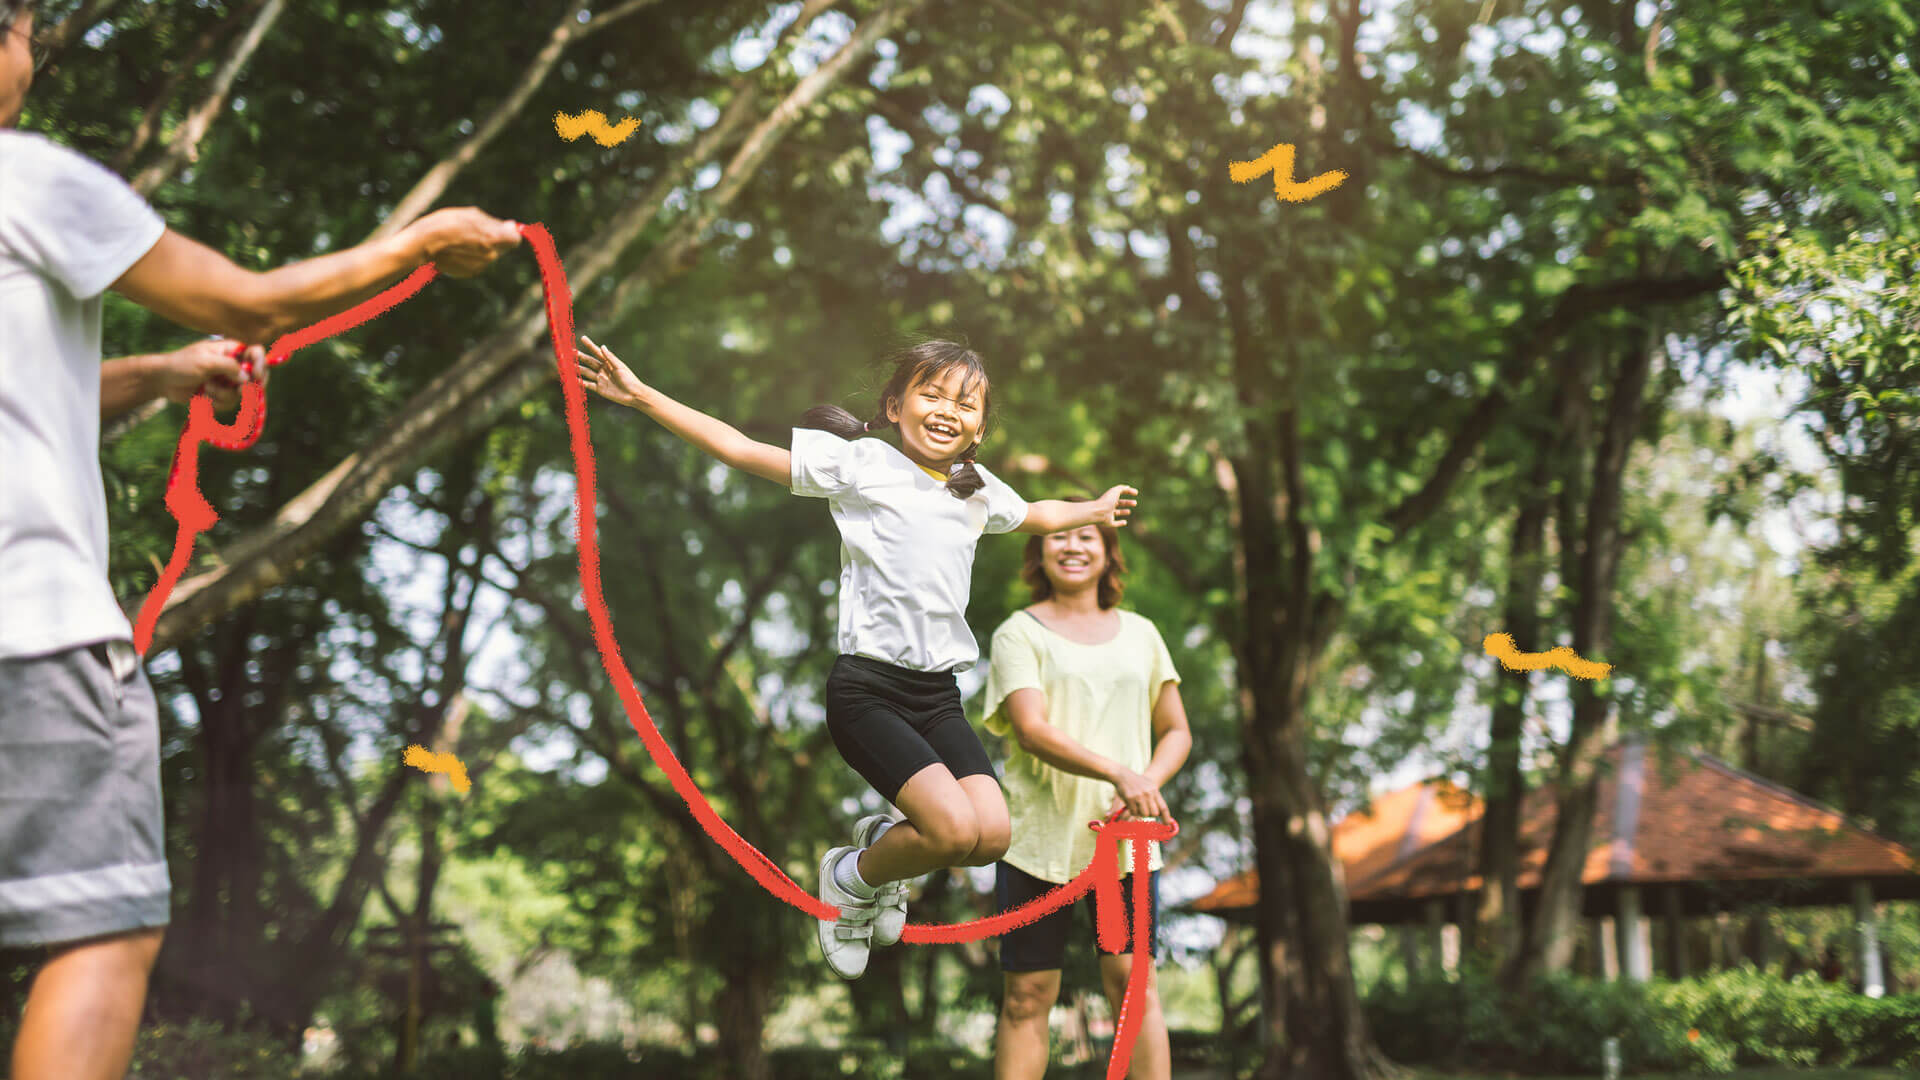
(1090, 697)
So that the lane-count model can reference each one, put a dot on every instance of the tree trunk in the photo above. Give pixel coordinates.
(223, 917)
(1594, 560)
(1497, 919)
(1303, 906)
(419, 931)
(740, 1014)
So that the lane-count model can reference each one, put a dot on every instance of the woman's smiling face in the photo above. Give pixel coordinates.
(940, 418)
(1073, 559)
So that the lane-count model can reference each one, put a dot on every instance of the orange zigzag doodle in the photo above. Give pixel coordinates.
(427, 761)
(1279, 161)
(1501, 646)
(593, 122)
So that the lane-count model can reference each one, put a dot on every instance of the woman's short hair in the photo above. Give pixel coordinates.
(11, 10)
(1111, 583)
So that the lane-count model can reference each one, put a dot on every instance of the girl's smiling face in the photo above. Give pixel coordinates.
(940, 418)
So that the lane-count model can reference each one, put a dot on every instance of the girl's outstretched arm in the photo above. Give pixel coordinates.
(1054, 515)
(604, 374)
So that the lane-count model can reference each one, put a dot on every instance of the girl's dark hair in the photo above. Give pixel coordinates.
(924, 362)
(1111, 585)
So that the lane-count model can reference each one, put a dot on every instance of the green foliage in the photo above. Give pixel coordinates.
(1144, 319)
(1714, 1024)
(203, 1050)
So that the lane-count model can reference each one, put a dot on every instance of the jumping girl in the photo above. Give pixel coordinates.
(909, 519)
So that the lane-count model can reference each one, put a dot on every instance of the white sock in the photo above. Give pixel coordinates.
(846, 874)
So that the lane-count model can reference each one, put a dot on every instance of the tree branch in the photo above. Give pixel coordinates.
(1505, 170)
(1573, 305)
(430, 187)
(494, 374)
(754, 149)
(602, 21)
(75, 26)
(1231, 28)
(179, 70)
(184, 146)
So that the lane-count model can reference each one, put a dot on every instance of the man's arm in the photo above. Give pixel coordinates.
(193, 285)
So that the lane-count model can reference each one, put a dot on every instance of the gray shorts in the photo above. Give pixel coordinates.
(81, 845)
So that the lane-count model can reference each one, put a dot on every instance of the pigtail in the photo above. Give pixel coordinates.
(834, 419)
(838, 421)
(964, 480)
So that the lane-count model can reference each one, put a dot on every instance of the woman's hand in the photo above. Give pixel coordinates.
(1139, 796)
(604, 374)
(1115, 505)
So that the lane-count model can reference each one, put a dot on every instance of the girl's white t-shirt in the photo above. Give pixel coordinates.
(906, 548)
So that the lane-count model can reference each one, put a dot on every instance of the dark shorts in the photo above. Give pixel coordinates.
(81, 846)
(890, 723)
(1041, 945)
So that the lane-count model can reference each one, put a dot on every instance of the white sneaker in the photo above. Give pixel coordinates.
(845, 941)
(891, 899)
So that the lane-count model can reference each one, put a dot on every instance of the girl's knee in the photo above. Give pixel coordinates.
(991, 847)
(952, 836)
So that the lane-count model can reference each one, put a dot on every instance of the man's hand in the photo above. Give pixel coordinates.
(462, 241)
(214, 365)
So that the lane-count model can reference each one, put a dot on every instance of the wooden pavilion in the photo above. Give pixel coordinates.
(1700, 838)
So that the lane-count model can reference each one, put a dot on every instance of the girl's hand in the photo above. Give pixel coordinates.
(604, 374)
(1115, 505)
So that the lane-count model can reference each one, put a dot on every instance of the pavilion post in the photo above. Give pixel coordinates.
(1676, 920)
(1445, 959)
(1410, 951)
(1760, 936)
(1636, 960)
(1866, 924)
(1606, 958)
(1718, 956)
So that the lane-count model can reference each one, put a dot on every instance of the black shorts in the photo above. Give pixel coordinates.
(1041, 945)
(890, 722)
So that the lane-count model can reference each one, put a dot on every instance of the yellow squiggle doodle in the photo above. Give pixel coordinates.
(1279, 162)
(427, 761)
(1502, 648)
(593, 122)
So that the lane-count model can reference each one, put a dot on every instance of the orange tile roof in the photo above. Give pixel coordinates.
(1683, 817)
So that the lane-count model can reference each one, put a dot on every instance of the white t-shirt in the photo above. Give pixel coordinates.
(906, 548)
(68, 230)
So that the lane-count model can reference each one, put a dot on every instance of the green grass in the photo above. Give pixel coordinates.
(1736, 1075)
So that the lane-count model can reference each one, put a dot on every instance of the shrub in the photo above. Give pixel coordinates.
(1714, 1024)
(205, 1050)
